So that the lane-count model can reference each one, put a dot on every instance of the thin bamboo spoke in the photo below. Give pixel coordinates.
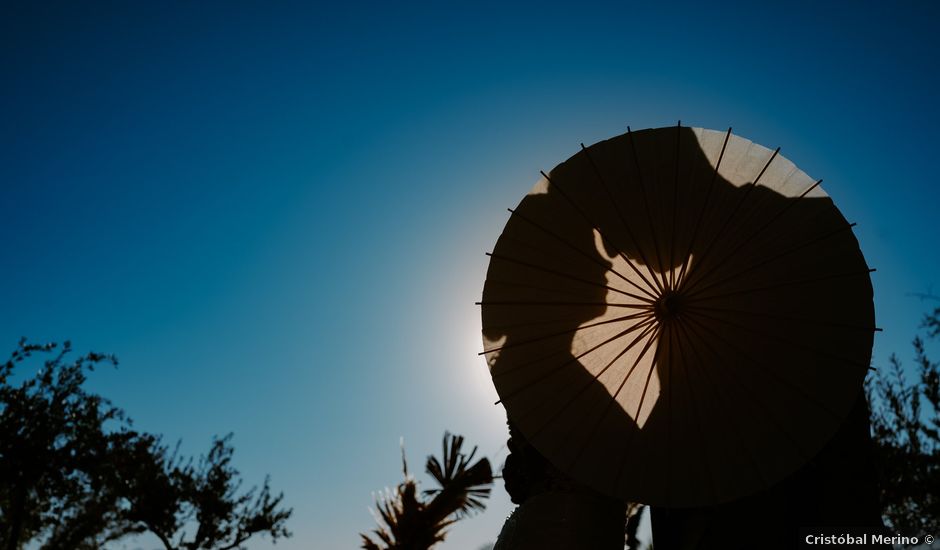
(727, 222)
(600, 178)
(649, 215)
(653, 336)
(520, 366)
(644, 316)
(639, 407)
(567, 276)
(692, 291)
(607, 242)
(675, 209)
(555, 291)
(753, 236)
(558, 303)
(768, 372)
(753, 399)
(649, 331)
(542, 377)
(789, 318)
(697, 416)
(526, 324)
(723, 401)
(719, 359)
(670, 413)
(782, 340)
(591, 257)
(789, 283)
(701, 214)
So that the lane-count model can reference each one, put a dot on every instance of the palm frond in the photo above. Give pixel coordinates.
(463, 487)
(409, 523)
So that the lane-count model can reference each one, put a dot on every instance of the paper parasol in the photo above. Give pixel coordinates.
(677, 316)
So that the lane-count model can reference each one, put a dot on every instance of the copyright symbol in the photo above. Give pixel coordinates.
(928, 539)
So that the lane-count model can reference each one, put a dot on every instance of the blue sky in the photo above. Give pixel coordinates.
(275, 214)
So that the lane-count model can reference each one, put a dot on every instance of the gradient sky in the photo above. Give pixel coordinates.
(275, 213)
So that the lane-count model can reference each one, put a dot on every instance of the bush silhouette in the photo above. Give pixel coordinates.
(75, 475)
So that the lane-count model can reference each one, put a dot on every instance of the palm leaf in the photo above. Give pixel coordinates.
(464, 485)
(409, 523)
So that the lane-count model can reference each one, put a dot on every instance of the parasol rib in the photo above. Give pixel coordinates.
(600, 178)
(649, 375)
(803, 320)
(701, 214)
(649, 215)
(645, 325)
(569, 331)
(613, 397)
(719, 398)
(566, 276)
(697, 416)
(551, 290)
(594, 226)
(519, 366)
(692, 291)
(669, 408)
(749, 391)
(530, 323)
(810, 398)
(793, 283)
(751, 238)
(731, 216)
(649, 331)
(590, 257)
(555, 303)
(786, 341)
(675, 206)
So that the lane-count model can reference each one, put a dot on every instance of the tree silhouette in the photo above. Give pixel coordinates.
(74, 474)
(906, 432)
(191, 507)
(52, 438)
(415, 523)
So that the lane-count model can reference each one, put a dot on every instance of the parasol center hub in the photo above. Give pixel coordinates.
(669, 306)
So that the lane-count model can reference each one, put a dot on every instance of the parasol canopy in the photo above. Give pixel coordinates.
(677, 316)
